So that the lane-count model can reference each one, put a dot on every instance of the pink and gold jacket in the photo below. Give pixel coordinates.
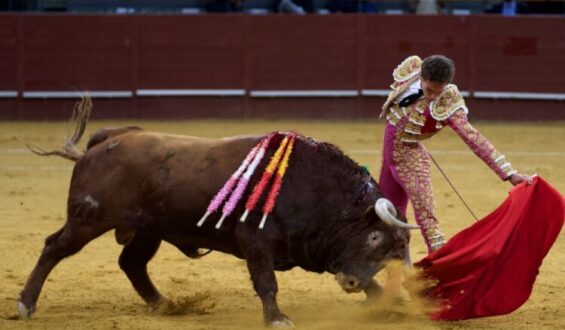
(424, 118)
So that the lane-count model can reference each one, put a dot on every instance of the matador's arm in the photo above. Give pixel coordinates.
(480, 145)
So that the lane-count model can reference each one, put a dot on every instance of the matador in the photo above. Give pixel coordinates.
(423, 101)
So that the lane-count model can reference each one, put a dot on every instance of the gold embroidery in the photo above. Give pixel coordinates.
(481, 146)
(407, 69)
(404, 75)
(415, 117)
(413, 167)
(393, 116)
(412, 130)
(448, 102)
(502, 163)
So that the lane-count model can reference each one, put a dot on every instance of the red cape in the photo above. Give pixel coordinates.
(490, 268)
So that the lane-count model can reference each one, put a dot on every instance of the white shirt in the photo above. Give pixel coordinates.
(413, 88)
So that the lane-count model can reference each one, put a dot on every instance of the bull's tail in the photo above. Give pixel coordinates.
(81, 114)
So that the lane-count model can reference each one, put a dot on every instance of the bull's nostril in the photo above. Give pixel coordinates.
(349, 283)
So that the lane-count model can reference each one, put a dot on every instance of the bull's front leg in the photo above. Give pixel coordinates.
(261, 269)
(373, 290)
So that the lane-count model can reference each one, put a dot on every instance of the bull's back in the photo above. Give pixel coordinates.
(132, 169)
(134, 147)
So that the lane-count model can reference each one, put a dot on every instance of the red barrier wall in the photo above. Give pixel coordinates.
(524, 55)
(8, 53)
(189, 52)
(245, 53)
(393, 38)
(303, 52)
(73, 52)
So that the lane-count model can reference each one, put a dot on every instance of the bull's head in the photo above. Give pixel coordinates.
(368, 243)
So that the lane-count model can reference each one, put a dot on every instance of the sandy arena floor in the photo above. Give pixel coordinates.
(89, 291)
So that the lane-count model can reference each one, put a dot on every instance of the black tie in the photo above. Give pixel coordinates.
(411, 98)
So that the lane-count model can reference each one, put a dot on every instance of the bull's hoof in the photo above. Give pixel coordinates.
(24, 311)
(283, 322)
(160, 307)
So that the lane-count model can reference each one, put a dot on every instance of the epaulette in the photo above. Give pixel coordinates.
(405, 74)
(409, 68)
(448, 102)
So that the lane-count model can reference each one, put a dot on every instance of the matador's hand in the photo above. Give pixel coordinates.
(518, 178)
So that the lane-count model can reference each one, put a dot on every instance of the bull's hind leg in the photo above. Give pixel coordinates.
(63, 243)
(133, 261)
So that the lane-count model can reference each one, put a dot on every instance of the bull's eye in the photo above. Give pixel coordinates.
(375, 238)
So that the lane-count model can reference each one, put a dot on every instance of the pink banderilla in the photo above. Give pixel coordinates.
(242, 184)
(228, 186)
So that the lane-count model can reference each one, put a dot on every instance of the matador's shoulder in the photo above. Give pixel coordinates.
(405, 74)
(449, 101)
(409, 68)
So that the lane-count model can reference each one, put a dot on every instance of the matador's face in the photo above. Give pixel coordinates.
(432, 90)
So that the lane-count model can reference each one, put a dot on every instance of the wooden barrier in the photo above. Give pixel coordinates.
(244, 66)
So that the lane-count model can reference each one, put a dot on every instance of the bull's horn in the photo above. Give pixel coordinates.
(386, 211)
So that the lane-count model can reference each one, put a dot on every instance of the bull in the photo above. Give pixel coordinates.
(151, 187)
